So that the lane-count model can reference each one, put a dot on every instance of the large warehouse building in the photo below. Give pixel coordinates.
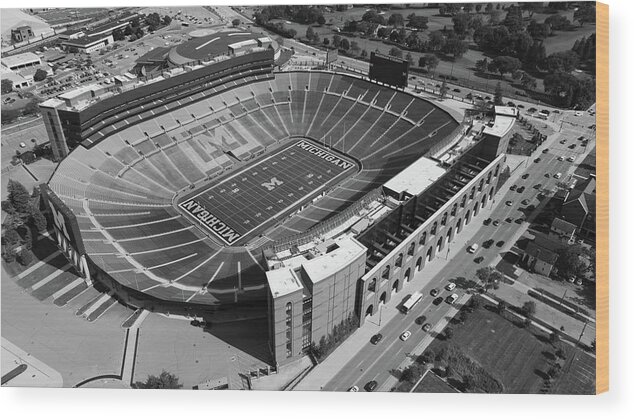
(219, 189)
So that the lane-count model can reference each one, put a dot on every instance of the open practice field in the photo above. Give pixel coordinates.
(518, 358)
(258, 195)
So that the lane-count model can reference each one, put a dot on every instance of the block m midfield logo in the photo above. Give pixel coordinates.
(219, 228)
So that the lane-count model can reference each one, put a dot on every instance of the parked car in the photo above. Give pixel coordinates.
(376, 338)
(545, 150)
(509, 203)
(525, 202)
(478, 260)
(521, 189)
(537, 160)
(525, 176)
(513, 187)
(427, 327)
(451, 299)
(405, 335)
(487, 222)
(353, 389)
(437, 301)
(450, 286)
(496, 222)
(434, 292)
(371, 386)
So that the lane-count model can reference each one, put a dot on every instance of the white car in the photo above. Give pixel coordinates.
(560, 158)
(405, 335)
(22, 145)
(450, 286)
(354, 389)
(571, 159)
(451, 299)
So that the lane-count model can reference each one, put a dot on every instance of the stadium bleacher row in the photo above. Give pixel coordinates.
(122, 188)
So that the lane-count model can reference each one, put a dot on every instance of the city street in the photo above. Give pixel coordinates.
(379, 362)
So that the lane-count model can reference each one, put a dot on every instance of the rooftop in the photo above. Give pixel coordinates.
(323, 266)
(210, 45)
(283, 281)
(508, 111)
(501, 126)
(18, 59)
(563, 225)
(416, 178)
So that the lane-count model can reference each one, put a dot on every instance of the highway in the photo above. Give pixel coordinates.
(377, 362)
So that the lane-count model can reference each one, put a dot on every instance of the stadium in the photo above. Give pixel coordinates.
(188, 191)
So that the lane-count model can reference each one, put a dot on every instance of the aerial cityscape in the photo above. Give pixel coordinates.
(353, 198)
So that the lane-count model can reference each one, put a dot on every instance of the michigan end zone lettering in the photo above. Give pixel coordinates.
(325, 155)
(217, 226)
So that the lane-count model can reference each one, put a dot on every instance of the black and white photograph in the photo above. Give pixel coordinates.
(393, 198)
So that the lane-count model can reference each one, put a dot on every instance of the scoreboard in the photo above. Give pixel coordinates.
(388, 69)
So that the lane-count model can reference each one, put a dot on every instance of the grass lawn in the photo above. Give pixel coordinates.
(432, 384)
(517, 357)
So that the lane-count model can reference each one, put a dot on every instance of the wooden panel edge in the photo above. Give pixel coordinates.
(603, 198)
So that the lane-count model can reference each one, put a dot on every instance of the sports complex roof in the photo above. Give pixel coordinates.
(199, 48)
(416, 177)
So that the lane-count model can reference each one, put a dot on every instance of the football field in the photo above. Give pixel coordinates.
(245, 203)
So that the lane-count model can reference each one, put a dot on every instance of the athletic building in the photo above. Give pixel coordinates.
(219, 190)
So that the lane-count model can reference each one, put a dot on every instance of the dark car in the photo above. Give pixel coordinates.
(572, 146)
(371, 386)
(537, 160)
(487, 222)
(537, 186)
(519, 220)
(456, 90)
(545, 150)
(513, 187)
(487, 244)
(508, 220)
(434, 292)
(478, 260)
(520, 189)
(525, 176)
(376, 338)
(525, 202)
(421, 320)
(499, 244)
(437, 301)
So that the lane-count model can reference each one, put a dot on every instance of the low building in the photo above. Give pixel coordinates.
(18, 81)
(87, 44)
(21, 62)
(540, 255)
(579, 209)
(22, 33)
(562, 230)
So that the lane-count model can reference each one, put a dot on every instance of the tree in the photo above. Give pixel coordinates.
(572, 261)
(7, 207)
(372, 16)
(128, 30)
(40, 75)
(10, 237)
(118, 35)
(167, 20)
(428, 357)
(39, 221)
(310, 33)
(456, 47)
(7, 86)
(443, 89)
(345, 44)
(528, 82)
(436, 41)
(514, 20)
(431, 62)
(417, 22)
(25, 257)
(321, 20)
(326, 41)
(553, 338)
(498, 98)
(164, 381)
(449, 371)
(364, 53)
(528, 309)
(336, 41)
(557, 22)
(409, 58)
(448, 333)
(292, 33)
(396, 52)
(18, 196)
(488, 276)
(502, 305)
(411, 374)
(563, 61)
(554, 371)
(396, 19)
(505, 64)
(469, 383)
(585, 13)
(482, 65)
